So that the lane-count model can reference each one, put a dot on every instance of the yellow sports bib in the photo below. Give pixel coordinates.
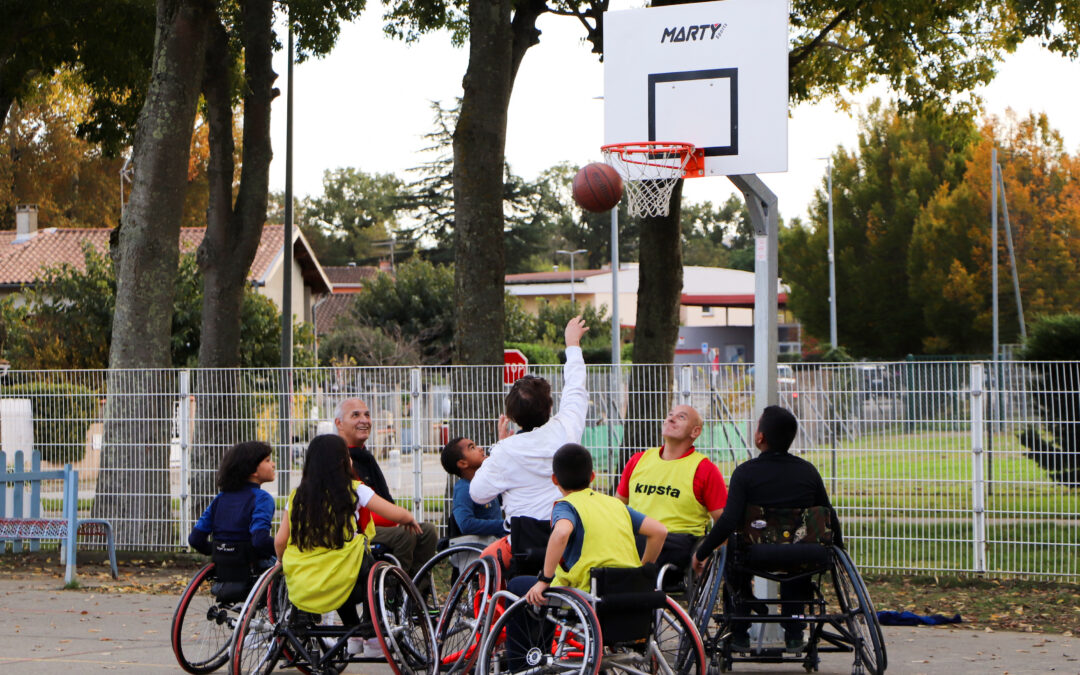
(321, 579)
(608, 539)
(664, 489)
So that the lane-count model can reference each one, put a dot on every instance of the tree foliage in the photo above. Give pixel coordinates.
(1055, 445)
(950, 259)
(878, 194)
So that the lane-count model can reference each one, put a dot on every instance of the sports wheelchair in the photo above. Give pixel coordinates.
(272, 629)
(792, 547)
(623, 625)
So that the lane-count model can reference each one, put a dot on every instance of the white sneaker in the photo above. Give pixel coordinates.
(373, 650)
(356, 645)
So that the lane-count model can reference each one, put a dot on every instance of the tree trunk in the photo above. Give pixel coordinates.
(133, 486)
(660, 283)
(5, 106)
(479, 145)
(232, 231)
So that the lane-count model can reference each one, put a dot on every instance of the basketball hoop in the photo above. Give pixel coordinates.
(650, 171)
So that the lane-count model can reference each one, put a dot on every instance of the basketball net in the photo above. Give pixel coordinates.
(650, 172)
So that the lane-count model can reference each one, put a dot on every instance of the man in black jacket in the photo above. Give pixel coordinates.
(772, 479)
(353, 421)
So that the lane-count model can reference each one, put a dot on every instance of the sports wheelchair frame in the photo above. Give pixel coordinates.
(840, 615)
(272, 629)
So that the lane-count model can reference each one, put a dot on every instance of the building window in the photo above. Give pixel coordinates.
(706, 310)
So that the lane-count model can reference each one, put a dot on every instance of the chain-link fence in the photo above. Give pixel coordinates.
(933, 466)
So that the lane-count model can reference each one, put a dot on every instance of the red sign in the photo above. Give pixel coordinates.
(516, 365)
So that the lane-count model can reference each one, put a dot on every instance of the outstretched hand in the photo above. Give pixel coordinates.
(575, 329)
(503, 429)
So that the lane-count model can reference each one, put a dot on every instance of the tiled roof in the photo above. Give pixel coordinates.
(21, 263)
(330, 308)
(352, 274)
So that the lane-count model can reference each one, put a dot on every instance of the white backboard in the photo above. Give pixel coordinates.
(713, 74)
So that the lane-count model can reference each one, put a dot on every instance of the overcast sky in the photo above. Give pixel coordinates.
(367, 105)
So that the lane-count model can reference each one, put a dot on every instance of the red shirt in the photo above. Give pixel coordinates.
(709, 486)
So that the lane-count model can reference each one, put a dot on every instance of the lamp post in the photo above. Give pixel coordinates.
(832, 262)
(572, 254)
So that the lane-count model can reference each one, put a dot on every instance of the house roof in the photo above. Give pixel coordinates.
(551, 277)
(22, 263)
(350, 279)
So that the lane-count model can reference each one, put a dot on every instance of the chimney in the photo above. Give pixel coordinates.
(25, 222)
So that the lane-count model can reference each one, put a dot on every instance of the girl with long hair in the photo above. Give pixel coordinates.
(322, 539)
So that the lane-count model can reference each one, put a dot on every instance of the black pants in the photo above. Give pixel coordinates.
(676, 551)
(347, 612)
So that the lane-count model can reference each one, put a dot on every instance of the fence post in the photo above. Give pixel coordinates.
(687, 381)
(418, 460)
(185, 447)
(978, 506)
(35, 495)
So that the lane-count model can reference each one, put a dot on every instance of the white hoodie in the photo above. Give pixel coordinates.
(519, 467)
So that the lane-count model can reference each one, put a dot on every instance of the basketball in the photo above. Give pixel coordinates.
(597, 187)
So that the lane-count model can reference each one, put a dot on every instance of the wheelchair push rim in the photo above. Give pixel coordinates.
(459, 632)
(257, 644)
(402, 623)
(860, 618)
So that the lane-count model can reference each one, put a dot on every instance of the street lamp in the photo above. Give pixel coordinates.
(572, 254)
(832, 262)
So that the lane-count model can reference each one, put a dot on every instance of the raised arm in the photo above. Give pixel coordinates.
(574, 402)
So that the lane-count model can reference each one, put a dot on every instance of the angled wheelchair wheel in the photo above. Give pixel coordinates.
(402, 622)
(706, 592)
(562, 636)
(258, 642)
(436, 577)
(860, 618)
(460, 628)
(676, 642)
(202, 628)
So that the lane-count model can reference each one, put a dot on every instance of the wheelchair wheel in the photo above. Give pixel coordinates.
(458, 633)
(562, 636)
(706, 592)
(257, 647)
(435, 578)
(202, 628)
(676, 641)
(859, 614)
(402, 623)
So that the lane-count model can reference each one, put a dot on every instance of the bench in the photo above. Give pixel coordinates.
(16, 527)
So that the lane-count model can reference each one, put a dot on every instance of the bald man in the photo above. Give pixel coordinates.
(676, 485)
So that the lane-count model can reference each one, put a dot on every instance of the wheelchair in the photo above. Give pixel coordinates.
(642, 629)
(453, 554)
(272, 630)
(788, 546)
(210, 607)
(622, 625)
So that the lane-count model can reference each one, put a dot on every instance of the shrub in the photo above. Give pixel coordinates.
(536, 353)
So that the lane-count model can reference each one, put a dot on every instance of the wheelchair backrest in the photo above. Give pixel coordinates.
(763, 542)
(233, 569)
(773, 525)
(528, 544)
(626, 602)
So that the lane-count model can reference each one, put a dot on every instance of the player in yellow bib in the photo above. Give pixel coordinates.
(676, 485)
(323, 535)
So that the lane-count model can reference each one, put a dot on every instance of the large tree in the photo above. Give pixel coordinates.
(878, 195)
(950, 255)
(146, 254)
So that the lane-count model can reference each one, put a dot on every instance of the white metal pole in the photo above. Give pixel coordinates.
(418, 460)
(832, 267)
(616, 352)
(185, 450)
(1012, 256)
(994, 248)
(978, 481)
